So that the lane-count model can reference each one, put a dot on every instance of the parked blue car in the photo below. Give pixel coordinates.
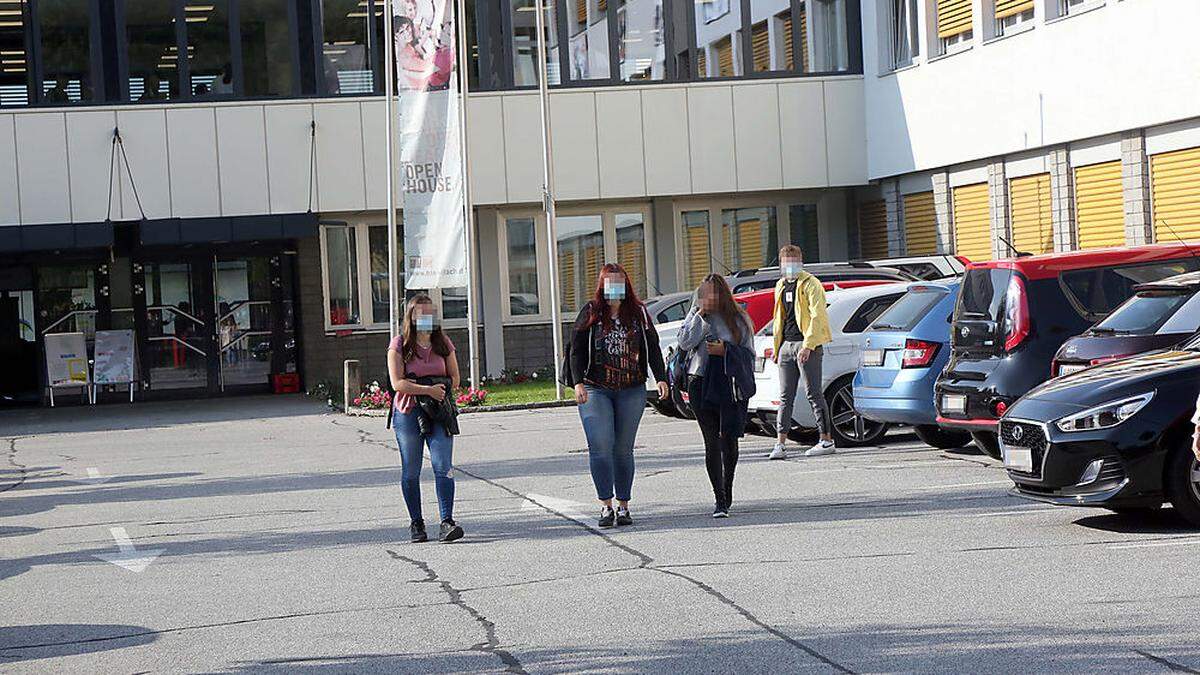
(904, 351)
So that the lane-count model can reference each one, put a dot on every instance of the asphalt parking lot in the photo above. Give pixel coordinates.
(270, 535)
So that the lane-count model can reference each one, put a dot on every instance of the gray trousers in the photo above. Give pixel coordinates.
(790, 372)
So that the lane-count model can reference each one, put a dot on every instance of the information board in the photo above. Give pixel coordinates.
(66, 360)
(114, 357)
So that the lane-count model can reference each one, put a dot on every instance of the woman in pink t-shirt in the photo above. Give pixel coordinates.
(423, 350)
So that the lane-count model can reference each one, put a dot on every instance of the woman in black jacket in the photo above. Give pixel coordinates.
(613, 344)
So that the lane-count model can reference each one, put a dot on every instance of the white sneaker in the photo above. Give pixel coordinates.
(778, 452)
(821, 448)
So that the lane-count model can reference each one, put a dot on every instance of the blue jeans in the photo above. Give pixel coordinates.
(610, 422)
(412, 450)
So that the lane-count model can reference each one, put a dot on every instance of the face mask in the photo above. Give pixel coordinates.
(425, 323)
(614, 290)
(792, 270)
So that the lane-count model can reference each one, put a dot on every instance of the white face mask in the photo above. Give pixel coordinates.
(614, 290)
(791, 269)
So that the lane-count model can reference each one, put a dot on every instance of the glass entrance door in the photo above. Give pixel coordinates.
(178, 329)
(245, 319)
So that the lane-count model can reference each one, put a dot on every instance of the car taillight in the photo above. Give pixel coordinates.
(1016, 314)
(918, 353)
(1106, 359)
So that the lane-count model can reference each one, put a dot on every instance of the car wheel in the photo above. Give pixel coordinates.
(1182, 483)
(849, 427)
(987, 442)
(943, 439)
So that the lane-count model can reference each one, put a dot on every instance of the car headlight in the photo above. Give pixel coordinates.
(1104, 415)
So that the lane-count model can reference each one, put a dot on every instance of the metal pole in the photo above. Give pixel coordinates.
(389, 91)
(468, 207)
(548, 197)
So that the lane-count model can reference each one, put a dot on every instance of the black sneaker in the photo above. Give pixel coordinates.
(607, 517)
(623, 517)
(720, 511)
(450, 531)
(416, 532)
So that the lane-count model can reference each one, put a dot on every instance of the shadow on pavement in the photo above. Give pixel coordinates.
(1162, 521)
(46, 641)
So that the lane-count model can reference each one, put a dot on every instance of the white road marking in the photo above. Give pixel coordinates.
(570, 509)
(127, 555)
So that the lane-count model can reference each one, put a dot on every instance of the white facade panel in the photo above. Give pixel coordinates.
(1124, 65)
(802, 134)
(42, 175)
(573, 126)
(89, 154)
(913, 183)
(621, 150)
(288, 148)
(523, 148)
(1173, 137)
(340, 180)
(1095, 150)
(844, 123)
(10, 207)
(713, 152)
(195, 175)
(665, 126)
(757, 137)
(374, 149)
(968, 174)
(144, 135)
(485, 145)
(1028, 164)
(242, 153)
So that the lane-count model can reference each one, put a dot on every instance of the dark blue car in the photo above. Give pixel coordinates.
(903, 353)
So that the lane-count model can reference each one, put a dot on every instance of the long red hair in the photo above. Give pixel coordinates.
(631, 309)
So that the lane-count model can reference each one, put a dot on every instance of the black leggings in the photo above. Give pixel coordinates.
(720, 450)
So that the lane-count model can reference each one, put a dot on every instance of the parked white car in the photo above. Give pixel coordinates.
(851, 311)
(668, 338)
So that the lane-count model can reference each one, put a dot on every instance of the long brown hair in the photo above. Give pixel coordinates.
(735, 318)
(631, 308)
(408, 331)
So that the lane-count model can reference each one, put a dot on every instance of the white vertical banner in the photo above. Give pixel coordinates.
(431, 165)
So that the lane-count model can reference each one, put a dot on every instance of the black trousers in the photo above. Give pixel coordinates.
(720, 449)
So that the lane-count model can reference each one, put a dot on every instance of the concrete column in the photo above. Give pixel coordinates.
(897, 241)
(666, 260)
(998, 211)
(942, 207)
(1135, 184)
(1062, 200)
(487, 228)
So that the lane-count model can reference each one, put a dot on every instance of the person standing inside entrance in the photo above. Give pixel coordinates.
(613, 345)
(801, 328)
(423, 367)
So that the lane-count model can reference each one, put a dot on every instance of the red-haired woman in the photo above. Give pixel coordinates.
(613, 345)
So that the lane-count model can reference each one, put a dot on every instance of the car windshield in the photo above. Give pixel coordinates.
(909, 310)
(983, 292)
(1142, 314)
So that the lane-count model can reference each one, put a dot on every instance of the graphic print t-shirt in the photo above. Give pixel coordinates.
(791, 329)
(619, 349)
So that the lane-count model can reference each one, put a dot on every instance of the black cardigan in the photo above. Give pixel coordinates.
(582, 355)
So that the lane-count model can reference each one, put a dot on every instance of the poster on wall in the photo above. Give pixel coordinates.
(114, 357)
(431, 166)
(66, 360)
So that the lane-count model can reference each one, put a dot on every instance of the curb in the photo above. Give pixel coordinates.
(371, 412)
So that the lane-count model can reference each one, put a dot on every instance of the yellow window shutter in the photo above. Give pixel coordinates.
(804, 38)
(566, 279)
(1029, 213)
(1100, 205)
(696, 243)
(725, 57)
(750, 244)
(1007, 8)
(872, 229)
(631, 254)
(760, 41)
(702, 62)
(789, 59)
(920, 224)
(953, 17)
(1175, 186)
(972, 224)
(581, 11)
(601, 7)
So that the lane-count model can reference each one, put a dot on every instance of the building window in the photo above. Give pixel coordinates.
(15, 63)
(587, 30)
(696, 247)
(67, 69)
(718, 36)
(341, 266)
(152, 50)
(209, 57)
(1065, 7)
(631, 249)
(804, 230)
(580, 250)
(750, 238)
(268, 48)
(525, 58)
(355, 267)
(954, 24)
(641, 47)
(1009, 14)
(348, 46)
(524, 296)
(830, 31)
(902, 33)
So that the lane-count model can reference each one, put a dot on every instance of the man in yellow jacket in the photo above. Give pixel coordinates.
(801, 327)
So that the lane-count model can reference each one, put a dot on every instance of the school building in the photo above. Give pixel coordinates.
(238, 226)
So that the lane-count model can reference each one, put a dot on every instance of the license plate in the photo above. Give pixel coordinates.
(1068, 368)
(872, 357)
(759, 364)
(1019, 459)
(954, 403)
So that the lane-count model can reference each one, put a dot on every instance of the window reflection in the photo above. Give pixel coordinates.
(750, 237)
(631, 249)
(347, 47)
(209, 59)
(830, 50)
(580, 257)
(718, 39)
(641, 50)
(268, 67)
(522, 267)
(14, 62)
(66, 51)
(525, 56)
(152, 50)
(587, 26)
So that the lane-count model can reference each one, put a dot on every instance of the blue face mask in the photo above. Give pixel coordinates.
(424, 323)
(614, 291)
(791, 270)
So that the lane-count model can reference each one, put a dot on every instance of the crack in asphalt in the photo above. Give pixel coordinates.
(203, 626)
(1170, 665)
(12, 460)
(489, 646)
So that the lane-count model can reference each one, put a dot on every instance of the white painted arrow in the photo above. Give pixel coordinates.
(93, 477)
(570, 509)
(127, 555)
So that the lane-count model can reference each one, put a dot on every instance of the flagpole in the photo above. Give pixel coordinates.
(389, 91)
(468, 208)
(548, 197)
